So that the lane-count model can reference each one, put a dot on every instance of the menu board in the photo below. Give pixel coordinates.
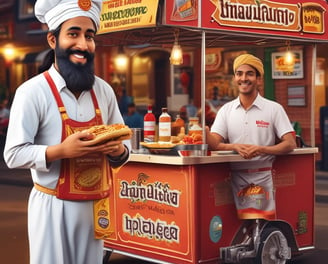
(117, 15)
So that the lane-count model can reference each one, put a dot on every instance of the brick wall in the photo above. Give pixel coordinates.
(301, 114)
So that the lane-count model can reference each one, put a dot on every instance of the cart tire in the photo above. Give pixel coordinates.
(106, 257)
(272, 243)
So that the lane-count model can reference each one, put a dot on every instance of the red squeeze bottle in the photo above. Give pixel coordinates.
(149, 125)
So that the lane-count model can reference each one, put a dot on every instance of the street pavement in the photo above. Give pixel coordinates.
(322, 186)
(19, 182)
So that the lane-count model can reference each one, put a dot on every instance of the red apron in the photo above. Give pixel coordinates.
(87, 177)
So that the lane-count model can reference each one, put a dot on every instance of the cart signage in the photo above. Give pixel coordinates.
(159, 230)
(151, 198)
(117, 15)
(294, 18)
(159, 193)
(153, 209)
(257, 14)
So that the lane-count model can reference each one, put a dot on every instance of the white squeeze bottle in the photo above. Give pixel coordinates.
(164, 126)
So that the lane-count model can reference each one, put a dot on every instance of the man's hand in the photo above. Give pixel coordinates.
(112, 148)
(78, 144)
(247, 151)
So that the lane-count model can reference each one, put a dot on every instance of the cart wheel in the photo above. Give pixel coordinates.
(273, 248)
(106, 257)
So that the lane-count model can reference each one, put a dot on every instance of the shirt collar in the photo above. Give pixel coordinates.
(57, 78)
(258, 102)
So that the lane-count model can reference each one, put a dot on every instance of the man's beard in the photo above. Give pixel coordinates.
(78, 77)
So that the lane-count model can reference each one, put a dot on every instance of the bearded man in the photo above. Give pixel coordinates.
(47, 134)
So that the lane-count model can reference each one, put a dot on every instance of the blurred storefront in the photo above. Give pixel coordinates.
(275, 28)
(147, 36)
(21, 35)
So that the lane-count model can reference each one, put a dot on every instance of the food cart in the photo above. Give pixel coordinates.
(177, 209)
(172, 209)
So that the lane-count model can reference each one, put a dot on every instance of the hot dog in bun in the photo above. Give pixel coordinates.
(103, 133)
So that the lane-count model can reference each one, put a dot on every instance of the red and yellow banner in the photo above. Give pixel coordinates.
(257, 14)
(117, 15)
(295, 18)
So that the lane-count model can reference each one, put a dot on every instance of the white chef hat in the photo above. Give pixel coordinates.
(55, 12)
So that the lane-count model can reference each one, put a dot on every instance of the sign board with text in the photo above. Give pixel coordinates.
(118, 15)
(296, 19)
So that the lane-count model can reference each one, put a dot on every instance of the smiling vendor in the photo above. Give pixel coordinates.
(49, 117)
(249, 125)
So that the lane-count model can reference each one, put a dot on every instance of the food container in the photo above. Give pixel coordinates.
(192, 150)
(137, 137)
(161, 148)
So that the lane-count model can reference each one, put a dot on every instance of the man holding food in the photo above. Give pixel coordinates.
(250, 126)
(56, 129)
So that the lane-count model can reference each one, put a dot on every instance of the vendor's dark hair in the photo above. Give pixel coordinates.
(258, 74)
(49, 58)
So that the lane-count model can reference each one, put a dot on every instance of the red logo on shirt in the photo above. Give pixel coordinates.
(261, 123)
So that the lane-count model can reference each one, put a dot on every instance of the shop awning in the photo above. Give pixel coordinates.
(35, 57)
(4, 4)
(163, 36)
(226, 23)
(30, 57)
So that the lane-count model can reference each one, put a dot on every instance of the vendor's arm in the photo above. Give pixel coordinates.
(216, 142)
(73, 146)
(247, 151)
(286, 144)
(118, 157)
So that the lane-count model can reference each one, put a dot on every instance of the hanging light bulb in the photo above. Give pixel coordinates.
(289, 58)
(121, 60)
(9, 53)
(176, 57)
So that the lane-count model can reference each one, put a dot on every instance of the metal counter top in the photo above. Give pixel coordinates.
(215, 157)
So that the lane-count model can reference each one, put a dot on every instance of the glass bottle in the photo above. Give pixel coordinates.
(177, 125)
(164, 126)
(194, 127)
(149, 125)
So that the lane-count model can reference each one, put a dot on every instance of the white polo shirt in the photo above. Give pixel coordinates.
(261, 124)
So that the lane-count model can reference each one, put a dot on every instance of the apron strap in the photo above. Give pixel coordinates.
(61, 107)
(95, 103)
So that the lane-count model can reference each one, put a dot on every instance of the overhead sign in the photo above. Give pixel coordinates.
(182, 12)
(117, 15)
(256, 14)
(294, 19)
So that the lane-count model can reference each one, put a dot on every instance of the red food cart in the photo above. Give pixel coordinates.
(171, 209)
(174, 209)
